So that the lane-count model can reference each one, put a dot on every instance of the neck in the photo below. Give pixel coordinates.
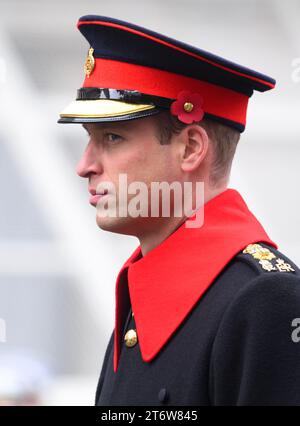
(151, 239)
(164, 227)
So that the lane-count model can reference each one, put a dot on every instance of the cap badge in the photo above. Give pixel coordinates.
(89, 63)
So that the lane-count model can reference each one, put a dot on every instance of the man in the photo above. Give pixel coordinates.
(207, 308)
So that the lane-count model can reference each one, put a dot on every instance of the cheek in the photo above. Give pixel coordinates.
(156, 165)
(147, 163)
(134, 163)
(122, 162)
(164, 165)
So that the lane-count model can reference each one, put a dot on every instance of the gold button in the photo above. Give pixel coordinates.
(188, 107)
(130, 338)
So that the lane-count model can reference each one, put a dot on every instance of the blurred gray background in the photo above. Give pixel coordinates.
(57, 269)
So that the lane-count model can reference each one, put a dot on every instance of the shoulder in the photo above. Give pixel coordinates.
(273, 285)
(265, 306)
(244, 279)
(265, 259)
(257, 343)
(255, 270)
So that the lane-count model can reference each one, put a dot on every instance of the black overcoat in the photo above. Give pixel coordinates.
(217, 315)
(239, 346)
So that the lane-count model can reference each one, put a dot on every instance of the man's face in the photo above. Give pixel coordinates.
(129, 148)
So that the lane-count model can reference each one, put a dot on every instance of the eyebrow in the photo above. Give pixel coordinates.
(125, 126)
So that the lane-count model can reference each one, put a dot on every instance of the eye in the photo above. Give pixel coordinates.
(112, 137)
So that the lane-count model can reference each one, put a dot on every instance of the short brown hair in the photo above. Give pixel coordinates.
(223, 138)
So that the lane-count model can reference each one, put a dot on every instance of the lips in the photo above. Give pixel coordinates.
(102, 192)
(96, 197)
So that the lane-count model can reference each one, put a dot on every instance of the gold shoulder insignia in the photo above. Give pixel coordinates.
(264, 255)
(282, 266)
(259, 252)
(267, 265)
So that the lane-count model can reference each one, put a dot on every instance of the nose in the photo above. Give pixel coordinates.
(90, 162)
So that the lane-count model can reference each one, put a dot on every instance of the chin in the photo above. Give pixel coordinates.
(118, 225)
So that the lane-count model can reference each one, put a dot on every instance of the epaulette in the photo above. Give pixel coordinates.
(268, 259)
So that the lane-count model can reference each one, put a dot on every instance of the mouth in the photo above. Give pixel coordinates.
(94, 198)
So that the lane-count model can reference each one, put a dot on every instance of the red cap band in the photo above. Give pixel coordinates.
(218, 100)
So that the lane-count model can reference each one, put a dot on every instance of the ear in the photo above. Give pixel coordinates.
(196, 142)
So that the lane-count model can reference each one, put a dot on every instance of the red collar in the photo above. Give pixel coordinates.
(193, 256)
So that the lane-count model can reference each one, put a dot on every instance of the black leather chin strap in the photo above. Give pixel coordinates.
(130, 96)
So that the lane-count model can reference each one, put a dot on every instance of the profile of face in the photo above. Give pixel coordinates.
(129, 149)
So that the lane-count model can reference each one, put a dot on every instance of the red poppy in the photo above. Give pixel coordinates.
(188, 107)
